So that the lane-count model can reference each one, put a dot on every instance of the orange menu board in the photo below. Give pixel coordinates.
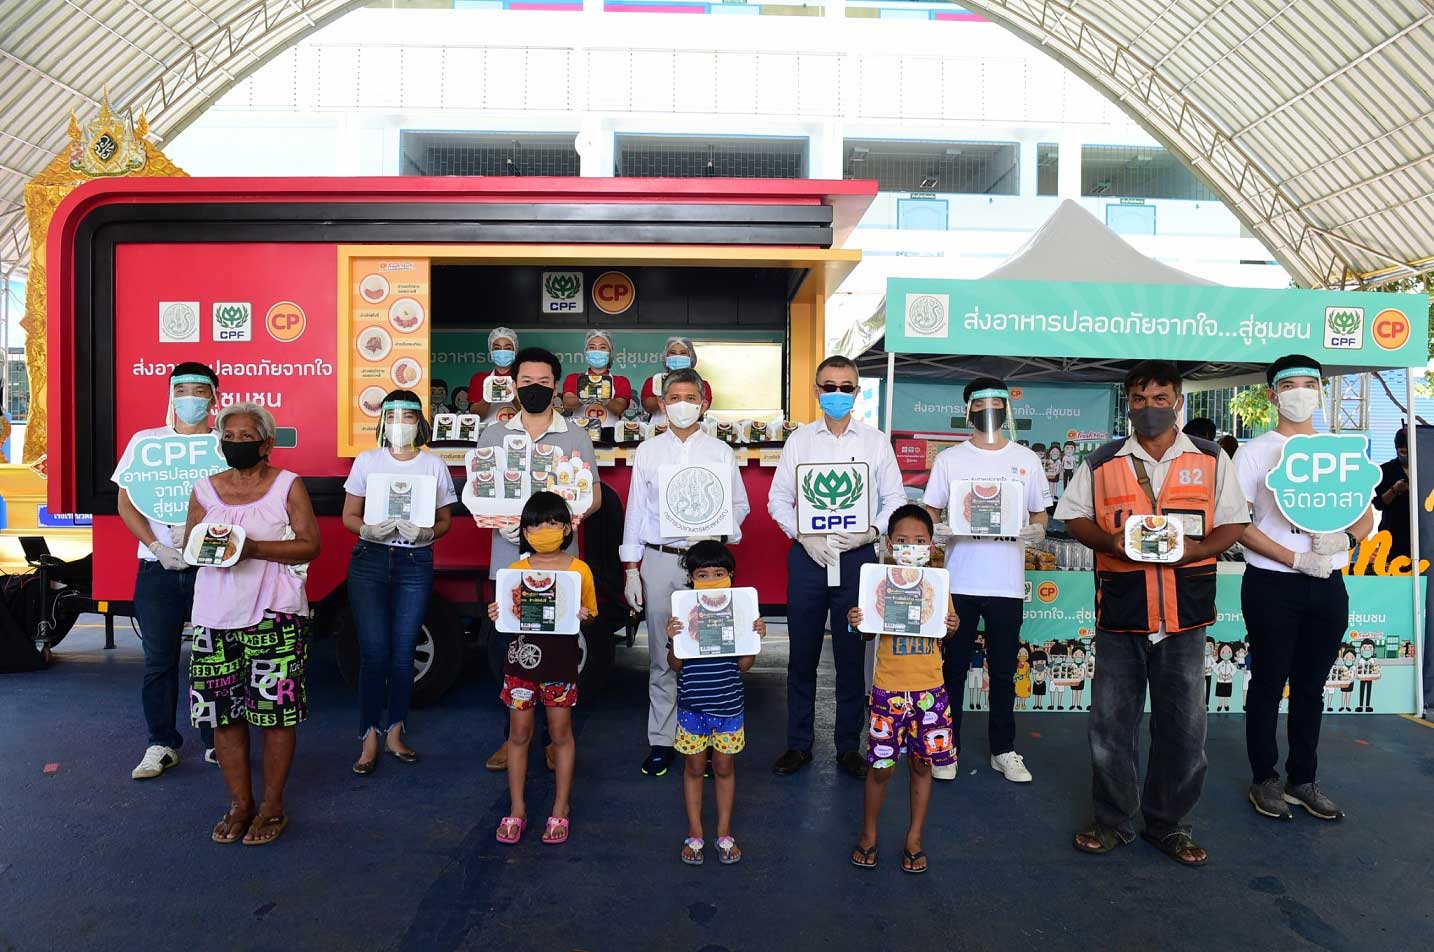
(386, 342)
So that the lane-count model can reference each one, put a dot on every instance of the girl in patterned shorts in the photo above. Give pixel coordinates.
(709, 711)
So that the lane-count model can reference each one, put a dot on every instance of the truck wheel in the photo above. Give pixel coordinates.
(437, 656)
(596, 654)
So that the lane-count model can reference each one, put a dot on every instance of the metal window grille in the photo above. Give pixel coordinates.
(966, 168)
(487, 153)
(1048, 163)
(710, 157)
(1134, 171)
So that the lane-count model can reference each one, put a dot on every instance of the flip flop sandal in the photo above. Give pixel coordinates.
(228, 821)
(868, 854)
(695, 845)
(555, 824)
(262, 824)
(1174, 845)
(1108, 839)
(511, 821)
(908, 862)
(727, 851)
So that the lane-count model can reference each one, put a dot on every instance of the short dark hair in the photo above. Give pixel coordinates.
(539, 355)
(684, 376)
(1162, 373)
(708, 554)
(838, 361)
(425, 431)
(1229, 444)
(982, 383)
(1401, 437)
(1292, 360)
(438, 382)
(1202, 428)
(911, 511)
(195, 368)
(544, 507)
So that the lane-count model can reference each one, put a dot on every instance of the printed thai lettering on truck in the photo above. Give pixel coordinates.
(271, 400)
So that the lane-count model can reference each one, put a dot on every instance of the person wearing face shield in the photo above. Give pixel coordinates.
(502, 350)
(391, 576)
(654, 561)
(164, 584)
(813, 608)
(1151, 618)
(1391, 496)
(597, 391)
(988, 575)
(1295, 605)
(678, 354)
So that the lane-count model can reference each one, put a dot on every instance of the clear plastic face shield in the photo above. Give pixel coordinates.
(1298, 393)
(192, 398)
(398, 424)
(988, 412)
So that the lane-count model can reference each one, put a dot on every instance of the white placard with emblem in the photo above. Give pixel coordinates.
(694, 499)
(833, 497)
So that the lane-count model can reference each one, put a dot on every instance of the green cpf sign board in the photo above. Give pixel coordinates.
(161, 472)
(1323, 482)
(833, 497)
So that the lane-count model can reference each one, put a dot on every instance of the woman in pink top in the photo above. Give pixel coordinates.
(251, 620)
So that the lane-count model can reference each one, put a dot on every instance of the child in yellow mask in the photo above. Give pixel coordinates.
(709, 711)
(543, 669)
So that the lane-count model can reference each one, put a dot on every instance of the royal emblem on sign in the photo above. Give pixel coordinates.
(694, 501)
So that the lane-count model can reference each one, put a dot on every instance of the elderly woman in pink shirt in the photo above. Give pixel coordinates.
(251, 621)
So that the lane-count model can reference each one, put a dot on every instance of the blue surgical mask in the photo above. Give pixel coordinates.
(501, 358)
(679, 362)
(597, 359)
(836, 404)
(191, 411)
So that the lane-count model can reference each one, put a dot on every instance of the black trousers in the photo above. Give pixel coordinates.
(1295, 625)
(1003, 635)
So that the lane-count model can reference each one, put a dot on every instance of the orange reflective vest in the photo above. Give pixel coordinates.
(1142, 597)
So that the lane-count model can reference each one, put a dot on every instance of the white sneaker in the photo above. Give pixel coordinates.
(1012, 766)
(210, 757)
(157, 759)
(947, 772)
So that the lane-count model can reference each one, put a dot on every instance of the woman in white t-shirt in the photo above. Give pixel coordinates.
(391, 572)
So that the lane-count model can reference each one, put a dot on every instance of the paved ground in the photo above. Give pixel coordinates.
(406, 860)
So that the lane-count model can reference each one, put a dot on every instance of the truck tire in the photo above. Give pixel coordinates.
(595, 659)
(437, 657)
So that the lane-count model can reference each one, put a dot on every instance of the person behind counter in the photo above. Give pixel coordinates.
(391, 576)
(164, 583)
(251, 621)
(598, 390)
(1391, 496)
(502, 350)
(536, 373)
(679, 354)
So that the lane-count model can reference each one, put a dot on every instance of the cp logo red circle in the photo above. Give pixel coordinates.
(285, 322)
(613, 292)
(1391, 328)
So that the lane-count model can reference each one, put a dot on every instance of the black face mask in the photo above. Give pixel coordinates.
(535, 397)
(241, 455)
(989, 420)
(1152, 421)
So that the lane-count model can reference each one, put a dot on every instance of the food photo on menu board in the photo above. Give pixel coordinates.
(409, 498)
(716, 623)
(390, 336)
(991, 508)
(498, 480)
(903, 600)
(538, 602)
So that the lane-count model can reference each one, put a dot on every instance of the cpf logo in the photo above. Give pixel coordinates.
(233, 321)
(833, 497)
(1344, 328)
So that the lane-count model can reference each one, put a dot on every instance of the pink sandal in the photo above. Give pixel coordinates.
(555, 824)
(508, 821)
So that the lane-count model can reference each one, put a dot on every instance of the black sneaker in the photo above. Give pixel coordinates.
(1269, 800)
(657, 762)
(791, 761)
(1312, 798)
(853, 763)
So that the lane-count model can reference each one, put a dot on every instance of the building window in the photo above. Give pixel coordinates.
(1137, 171)
(1048, 168)
(651, 156)
(17, 394)
(487, 153)
(964, 168)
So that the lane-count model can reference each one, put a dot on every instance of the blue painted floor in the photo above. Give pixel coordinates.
(90, 859)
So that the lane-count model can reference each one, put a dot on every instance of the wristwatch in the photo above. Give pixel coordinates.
(1349, 537)
(669, 644)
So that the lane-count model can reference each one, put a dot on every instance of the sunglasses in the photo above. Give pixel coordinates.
(834, 387)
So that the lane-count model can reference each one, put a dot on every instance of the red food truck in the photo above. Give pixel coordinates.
(271, 282)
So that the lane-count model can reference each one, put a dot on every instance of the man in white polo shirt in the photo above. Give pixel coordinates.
(653, 561)
(988, 575)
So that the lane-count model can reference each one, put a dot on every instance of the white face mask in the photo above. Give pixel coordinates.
(400, 436)
(1298, 405)
(683, 414)
(911, 554)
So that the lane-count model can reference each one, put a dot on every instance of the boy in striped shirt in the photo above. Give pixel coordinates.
(709, 711)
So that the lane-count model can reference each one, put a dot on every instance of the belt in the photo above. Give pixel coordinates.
(668, 549)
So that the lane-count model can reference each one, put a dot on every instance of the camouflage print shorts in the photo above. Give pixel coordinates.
(253, 674)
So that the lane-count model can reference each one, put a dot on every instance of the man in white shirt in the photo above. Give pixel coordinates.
(834, 438)
(653, 561)
(988, 573)
(1151, 617)
(1295, 606)
(164, 584)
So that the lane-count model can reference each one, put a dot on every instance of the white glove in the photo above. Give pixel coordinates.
(379, 533)
(513, 534)
(168, 557)
(1313, 564)
(820, 548)
(1329, 543)
(1032, 534)
(632, 589)
(414, 534)
(846, 541)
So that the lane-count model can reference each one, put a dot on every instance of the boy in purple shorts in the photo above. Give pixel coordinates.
(910, 713)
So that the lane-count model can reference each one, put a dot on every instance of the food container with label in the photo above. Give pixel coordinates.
(214, 545)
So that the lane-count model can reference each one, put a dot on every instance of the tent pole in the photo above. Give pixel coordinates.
(891, 389)
(1414, 574)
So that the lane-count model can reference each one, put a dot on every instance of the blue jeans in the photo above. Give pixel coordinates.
(162, 600)
(388, 587)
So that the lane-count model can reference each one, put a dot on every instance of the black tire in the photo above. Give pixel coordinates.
(597, 653)
(438, 656)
